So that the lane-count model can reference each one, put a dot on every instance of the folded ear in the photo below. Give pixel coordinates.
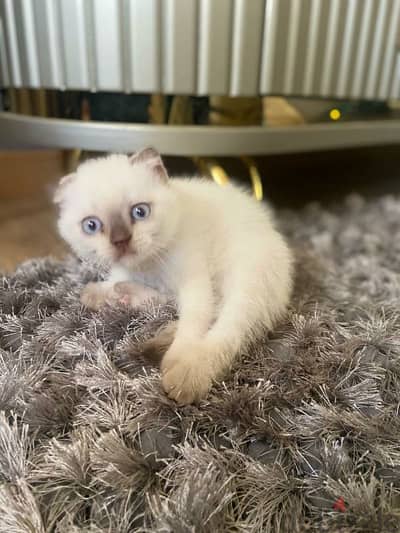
(62, 185)
(152, 159)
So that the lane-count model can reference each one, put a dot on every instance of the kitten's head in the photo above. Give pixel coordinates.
(118, 209)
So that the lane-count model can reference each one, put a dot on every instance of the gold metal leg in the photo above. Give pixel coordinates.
(254, 176)
(210, 167)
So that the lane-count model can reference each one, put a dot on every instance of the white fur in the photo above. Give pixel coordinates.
(213, 248)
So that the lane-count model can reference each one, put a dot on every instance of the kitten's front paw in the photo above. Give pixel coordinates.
(125, 292)
(135, 295)
(186, 377)
(95, 295)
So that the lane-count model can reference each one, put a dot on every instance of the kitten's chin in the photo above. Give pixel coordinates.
(128, 260)
(135, 261)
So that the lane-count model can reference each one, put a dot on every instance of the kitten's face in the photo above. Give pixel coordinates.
(118, 209)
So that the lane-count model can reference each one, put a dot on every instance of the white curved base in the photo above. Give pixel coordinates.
(19, 131)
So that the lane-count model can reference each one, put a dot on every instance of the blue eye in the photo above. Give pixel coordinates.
(140, 211)
(91, 225)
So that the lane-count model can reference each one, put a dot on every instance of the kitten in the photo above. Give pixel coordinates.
(213, 249)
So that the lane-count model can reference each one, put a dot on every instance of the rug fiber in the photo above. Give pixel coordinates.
(304, 435)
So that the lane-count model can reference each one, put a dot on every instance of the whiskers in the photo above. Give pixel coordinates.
(151, 253)
(159, 255)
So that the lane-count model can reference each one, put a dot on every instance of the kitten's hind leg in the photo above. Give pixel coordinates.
(155, 348)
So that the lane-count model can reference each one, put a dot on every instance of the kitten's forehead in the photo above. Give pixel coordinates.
(112, 179)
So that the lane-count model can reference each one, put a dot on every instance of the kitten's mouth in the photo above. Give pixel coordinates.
(122, 254)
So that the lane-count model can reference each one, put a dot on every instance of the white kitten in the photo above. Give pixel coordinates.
(214, 249)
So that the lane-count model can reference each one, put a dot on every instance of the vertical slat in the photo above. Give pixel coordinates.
(269, 46)
(48, 35)
(75, 48)
(4, 67)
(57, 60)
(330, 48)
(179, 46)
(390, 50)
(362, 48)
(246, 48)
(145, 41)
(214, 46)
(312, 41)
(125, 45)
(107, 45)
(90, 39)
(291, 50)
(395, 89)
(13, 48)
(377, 44)
(301, 48)
(348, 40)
(30, 44)
(21, 42)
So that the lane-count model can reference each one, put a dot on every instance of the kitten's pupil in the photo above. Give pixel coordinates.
(140, 211)
(91, 225)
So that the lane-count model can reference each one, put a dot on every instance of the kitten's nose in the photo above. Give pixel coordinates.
(120, 234)
(122, 242)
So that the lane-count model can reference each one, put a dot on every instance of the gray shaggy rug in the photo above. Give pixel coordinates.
(304, 436)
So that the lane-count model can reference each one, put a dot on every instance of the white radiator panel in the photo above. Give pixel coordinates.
(179, 45)
(247, 28)
(378, 41)
(49, 43)
(29, 43)
(293, 32)
(389, 52)
(144, 44)
(331, 48)
(395, 88)
(346, 53)
(314, 11)
(107, 19)
(268, 47)
(4, 74)
(367, 22)
(13, 52)
(335, 48)
(75, 31)
(214, 46)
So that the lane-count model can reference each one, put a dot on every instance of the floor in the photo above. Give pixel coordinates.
(28, 219)
(27, 229)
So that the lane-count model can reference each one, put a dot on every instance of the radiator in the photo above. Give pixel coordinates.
(324, 48)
